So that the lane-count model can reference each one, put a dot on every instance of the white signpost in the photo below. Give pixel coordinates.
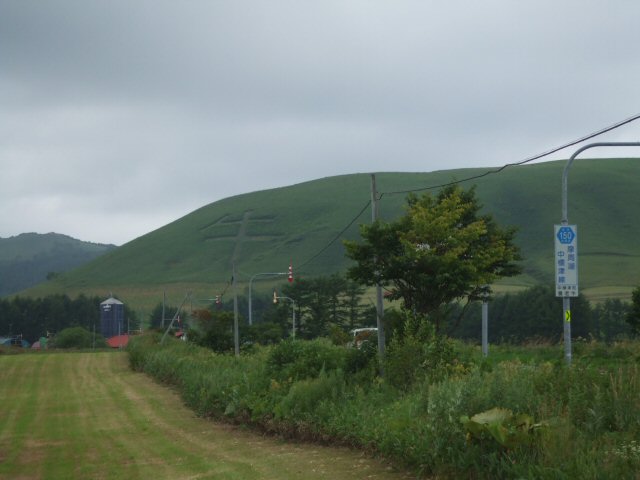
(566, 260)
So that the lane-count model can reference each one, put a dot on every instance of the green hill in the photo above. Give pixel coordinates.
(263, 231)
(27, 259)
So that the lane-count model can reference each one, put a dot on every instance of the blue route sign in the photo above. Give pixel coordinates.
(566, 235)
(566, 260)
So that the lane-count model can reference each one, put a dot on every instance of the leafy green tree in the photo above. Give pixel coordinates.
(213, 330)
(324, 302)
(78, 337)
(442, 250)
(264, 333)
(610, 319)
(155, 319)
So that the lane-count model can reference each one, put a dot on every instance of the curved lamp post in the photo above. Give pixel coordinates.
(566, 300)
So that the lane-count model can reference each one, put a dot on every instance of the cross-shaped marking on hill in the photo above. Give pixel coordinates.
(241, 235)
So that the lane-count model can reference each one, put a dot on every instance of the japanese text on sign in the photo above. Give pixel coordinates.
(566, 260)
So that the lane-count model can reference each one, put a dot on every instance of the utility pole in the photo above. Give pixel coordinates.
(236, 334)
(166, 332)
(379, 304)
(485, 327)
(164, 299)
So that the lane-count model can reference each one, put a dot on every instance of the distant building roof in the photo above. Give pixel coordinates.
(119, 341)
(15, 342)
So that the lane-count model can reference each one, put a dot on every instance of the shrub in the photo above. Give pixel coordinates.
(417, 354)
(78, 337)
(304, 396)
(307, 390)
(298, 360)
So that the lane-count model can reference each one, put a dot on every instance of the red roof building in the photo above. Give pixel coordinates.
(119, 341)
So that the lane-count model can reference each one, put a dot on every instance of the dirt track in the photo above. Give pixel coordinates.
(85, 416)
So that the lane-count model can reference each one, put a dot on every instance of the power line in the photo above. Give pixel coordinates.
(475, 177)
(337, 236)
(522, 162)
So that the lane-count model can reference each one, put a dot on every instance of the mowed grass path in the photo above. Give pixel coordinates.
(87, 416)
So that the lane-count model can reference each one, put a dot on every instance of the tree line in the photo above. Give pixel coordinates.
(536, 313)
(332, 306)
(328, 306)
(33, 318)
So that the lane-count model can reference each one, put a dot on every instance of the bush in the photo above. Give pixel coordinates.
(78, 337)
(304, 396)
(419, 353)
(298, 360)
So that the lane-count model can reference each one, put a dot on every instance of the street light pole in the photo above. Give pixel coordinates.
(566, 301)
(250, 290)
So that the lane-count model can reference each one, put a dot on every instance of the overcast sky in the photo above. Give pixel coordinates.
(118, 117)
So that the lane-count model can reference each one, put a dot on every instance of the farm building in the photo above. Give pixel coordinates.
(111, 317)
(14, 342)
(119, 341)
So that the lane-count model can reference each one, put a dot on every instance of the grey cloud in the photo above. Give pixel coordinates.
(139, 109)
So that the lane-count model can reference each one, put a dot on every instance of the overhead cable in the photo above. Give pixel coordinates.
(475, 177)
(522, 162)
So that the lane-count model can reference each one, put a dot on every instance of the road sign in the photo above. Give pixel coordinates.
(566, 234)
(566, 260)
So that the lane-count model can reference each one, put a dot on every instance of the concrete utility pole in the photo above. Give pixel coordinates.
(485, 327)
(379, 304)
(236, 333)
(164, 299)
(186, 297)
(566, 300)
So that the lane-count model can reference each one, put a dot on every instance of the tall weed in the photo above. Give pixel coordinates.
(316, 390)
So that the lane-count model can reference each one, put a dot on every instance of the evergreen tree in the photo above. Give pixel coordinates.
(633, 317)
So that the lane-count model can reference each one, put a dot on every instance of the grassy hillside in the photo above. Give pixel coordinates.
(263, 231)
(26, 259)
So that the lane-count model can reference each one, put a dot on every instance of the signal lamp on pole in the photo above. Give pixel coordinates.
(290, 273)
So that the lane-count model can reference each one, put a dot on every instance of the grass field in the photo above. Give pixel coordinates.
(87, 416)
